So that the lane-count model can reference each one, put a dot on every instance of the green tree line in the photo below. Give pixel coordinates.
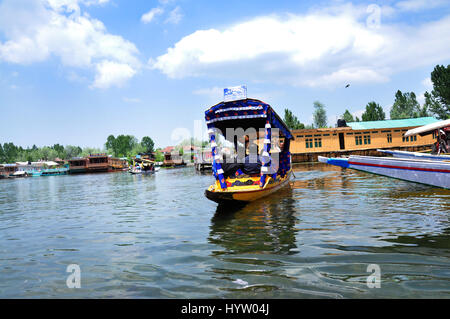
(122, 146)
(437, 103)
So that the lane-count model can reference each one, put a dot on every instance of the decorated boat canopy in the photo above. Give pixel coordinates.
(248, 113)
(245, 114)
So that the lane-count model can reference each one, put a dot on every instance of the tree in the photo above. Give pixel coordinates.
(348, 117)
(439, 99)
(292, 121)
(2, 155)
(72, 151)
(111, 144)
(405, 106)
(374, 112)
(320, 115)
(159, 156)
(148, 144)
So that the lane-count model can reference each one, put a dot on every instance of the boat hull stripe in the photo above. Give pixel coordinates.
(401, 167)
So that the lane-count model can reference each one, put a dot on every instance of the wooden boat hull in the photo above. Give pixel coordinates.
(246, 195)
(142, 172)
(432, 173)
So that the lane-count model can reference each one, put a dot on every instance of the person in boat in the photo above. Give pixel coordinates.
(250, 164)
(442, 144)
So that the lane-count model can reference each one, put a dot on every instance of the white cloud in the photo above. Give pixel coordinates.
(112, 74)
(428, 86)
(321, 48)
(46, 28)
(175, 16)
(427, 83)
(149, 16)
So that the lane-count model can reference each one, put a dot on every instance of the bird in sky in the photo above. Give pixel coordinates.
(347, 85)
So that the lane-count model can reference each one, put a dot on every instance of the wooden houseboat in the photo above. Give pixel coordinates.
(78, 165)
(97, 163)
(360, 138)
(117, 164)
(172, 157)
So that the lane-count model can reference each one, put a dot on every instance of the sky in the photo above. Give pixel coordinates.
(75, 71)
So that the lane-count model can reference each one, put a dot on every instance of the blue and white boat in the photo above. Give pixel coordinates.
(416, 155)
(435, 173)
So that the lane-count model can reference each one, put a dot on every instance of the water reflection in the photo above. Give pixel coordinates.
(261, 227)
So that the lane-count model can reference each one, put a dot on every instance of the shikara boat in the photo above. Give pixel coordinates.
(435, 173)
(143, 167)
(275, 167)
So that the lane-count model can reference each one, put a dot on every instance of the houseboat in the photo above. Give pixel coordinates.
(117, 164)
(360, 138)
(172, 157)
(203, 160)
(78, 165)
(97, 163)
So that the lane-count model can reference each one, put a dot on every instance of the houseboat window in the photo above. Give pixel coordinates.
(299, 135)
(317, 142)
(358, 140)
(374, 132)
(405, 139)
(309, 143)
(349, 133)
(434, 134)
(389, 131)
(414, 138)
(326, 134)
(396, 130)
(389, 138)
(366, 139)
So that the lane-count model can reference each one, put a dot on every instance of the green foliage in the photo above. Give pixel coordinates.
(405, 106)
(348, 117)
(438, 102)
(320, 115)
(10, 153)
(159, 156)
(292, 121)
(72, 151)
(148, 144)
(374, 112)
(121, 146)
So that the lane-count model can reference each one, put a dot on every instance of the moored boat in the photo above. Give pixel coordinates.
(78, 165)
(242, 180)
(441, 131)
(416, 155)
(435, 173)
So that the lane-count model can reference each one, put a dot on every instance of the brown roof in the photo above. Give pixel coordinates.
(168, 149)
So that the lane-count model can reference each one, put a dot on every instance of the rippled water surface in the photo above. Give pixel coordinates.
(159, 237)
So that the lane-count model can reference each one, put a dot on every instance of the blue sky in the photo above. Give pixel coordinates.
(75, 71)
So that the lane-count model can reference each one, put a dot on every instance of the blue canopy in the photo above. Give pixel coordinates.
(244, 113)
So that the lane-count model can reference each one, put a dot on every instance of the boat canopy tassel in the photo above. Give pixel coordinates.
(265, 159)
(216, 165)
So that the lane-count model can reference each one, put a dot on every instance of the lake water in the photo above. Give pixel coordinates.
(159, 237)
